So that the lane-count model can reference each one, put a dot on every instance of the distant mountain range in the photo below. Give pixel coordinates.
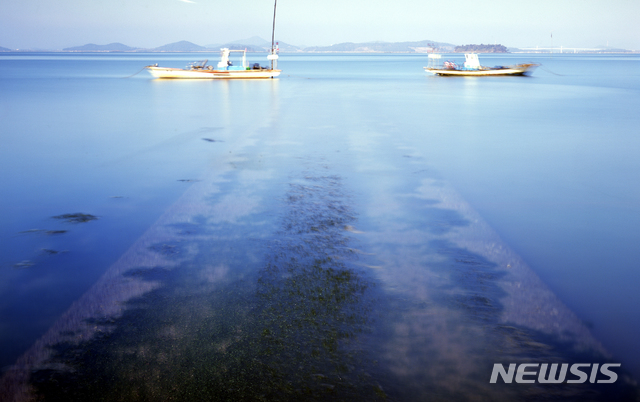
(182, 46)
(111, 47)
(254, 44)
(257, 44)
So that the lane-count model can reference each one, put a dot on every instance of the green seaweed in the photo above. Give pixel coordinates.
(287, 331)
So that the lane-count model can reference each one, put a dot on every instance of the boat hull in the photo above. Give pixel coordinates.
(521, 69)
(173, 73)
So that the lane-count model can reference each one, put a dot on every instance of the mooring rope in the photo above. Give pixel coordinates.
(549, 71)
(151, 65)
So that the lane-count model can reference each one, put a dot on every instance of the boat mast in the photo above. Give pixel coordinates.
(273, 33)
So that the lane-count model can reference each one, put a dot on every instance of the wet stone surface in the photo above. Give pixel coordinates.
(303, 299)
(286, 328)
(308, 307)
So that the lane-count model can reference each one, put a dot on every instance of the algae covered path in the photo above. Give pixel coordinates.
(298, 297)
(315, 258)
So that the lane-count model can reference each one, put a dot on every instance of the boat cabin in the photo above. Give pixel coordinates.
(471, 61)
(225, 63)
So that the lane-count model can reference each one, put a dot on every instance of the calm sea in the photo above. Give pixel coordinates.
(405, 231)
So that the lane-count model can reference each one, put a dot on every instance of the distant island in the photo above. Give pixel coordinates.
(481, 49)
(90, 47)
(258, 45)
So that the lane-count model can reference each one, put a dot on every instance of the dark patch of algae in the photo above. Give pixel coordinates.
(76, 218)
(287, 332)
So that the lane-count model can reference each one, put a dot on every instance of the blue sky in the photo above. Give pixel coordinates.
(54, 24)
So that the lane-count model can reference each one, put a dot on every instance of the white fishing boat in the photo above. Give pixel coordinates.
(472, 67)
(225, 68)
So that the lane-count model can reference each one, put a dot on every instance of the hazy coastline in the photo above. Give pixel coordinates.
(259, 45)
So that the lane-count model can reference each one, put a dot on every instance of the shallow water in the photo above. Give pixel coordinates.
(365, 172)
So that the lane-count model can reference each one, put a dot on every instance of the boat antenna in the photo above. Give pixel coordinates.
(273, 32)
